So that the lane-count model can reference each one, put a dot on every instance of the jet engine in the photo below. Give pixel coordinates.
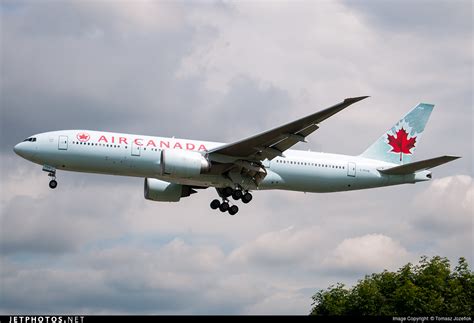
(183, 163)
(161, 191)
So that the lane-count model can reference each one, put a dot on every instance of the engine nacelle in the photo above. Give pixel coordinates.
(183, 163)
(161, 191)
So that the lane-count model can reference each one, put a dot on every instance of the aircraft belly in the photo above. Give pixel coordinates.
(319, 183)
(310, 180)
(95, 162)
(120, 164)
(202, 180)
(323, 180)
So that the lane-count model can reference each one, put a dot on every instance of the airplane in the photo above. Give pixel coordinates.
(176, 168)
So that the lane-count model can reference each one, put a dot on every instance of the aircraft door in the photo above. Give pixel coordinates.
(351, 169)
(62, 143)
(135, 149)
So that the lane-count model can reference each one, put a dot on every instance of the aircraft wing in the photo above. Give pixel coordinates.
(272, 143)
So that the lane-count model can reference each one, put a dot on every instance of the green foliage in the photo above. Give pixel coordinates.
(429, 288)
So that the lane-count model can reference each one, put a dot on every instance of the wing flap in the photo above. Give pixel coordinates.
(292, 139)
(417, 166)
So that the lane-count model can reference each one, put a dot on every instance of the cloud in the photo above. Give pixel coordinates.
(36, 219)
(171, 278)
(445, 217)
(369, 253)
(286, 247)
(283, 52)
(281, 302)
(79, 77)
(414, 17)
(447, 205)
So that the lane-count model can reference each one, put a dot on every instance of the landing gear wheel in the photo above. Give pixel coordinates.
(233, 210)
(215, 204)
(53, 184)
(224, 207)
(237, 195)
(52, 174)
(247, 198)
(227, 191)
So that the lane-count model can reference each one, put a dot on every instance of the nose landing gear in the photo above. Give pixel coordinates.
(52, 174)
(53, 184)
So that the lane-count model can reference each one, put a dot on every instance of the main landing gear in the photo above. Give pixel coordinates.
(236, 194)
(52, 174)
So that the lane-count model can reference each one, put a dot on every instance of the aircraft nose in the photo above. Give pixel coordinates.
(22, 149)
(18, 149)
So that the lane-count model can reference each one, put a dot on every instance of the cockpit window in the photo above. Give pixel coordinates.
(32, 139)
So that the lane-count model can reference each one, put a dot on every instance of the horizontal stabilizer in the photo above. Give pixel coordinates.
(417, 166)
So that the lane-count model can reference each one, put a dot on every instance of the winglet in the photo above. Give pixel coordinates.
(356, 99)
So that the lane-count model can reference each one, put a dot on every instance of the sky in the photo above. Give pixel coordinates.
(222, 71)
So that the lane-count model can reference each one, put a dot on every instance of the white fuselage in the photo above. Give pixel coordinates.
(139, 156)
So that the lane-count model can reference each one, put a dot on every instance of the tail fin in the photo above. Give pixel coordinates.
(398, 144)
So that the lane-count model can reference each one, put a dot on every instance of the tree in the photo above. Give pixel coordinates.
(429, 288)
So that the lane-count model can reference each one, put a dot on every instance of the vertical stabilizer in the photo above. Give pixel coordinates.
(398, 144)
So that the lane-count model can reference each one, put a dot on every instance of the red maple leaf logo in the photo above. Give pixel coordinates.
(83, 137)
(401, 144)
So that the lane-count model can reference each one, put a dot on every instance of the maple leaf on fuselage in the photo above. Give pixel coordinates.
(401, 144)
